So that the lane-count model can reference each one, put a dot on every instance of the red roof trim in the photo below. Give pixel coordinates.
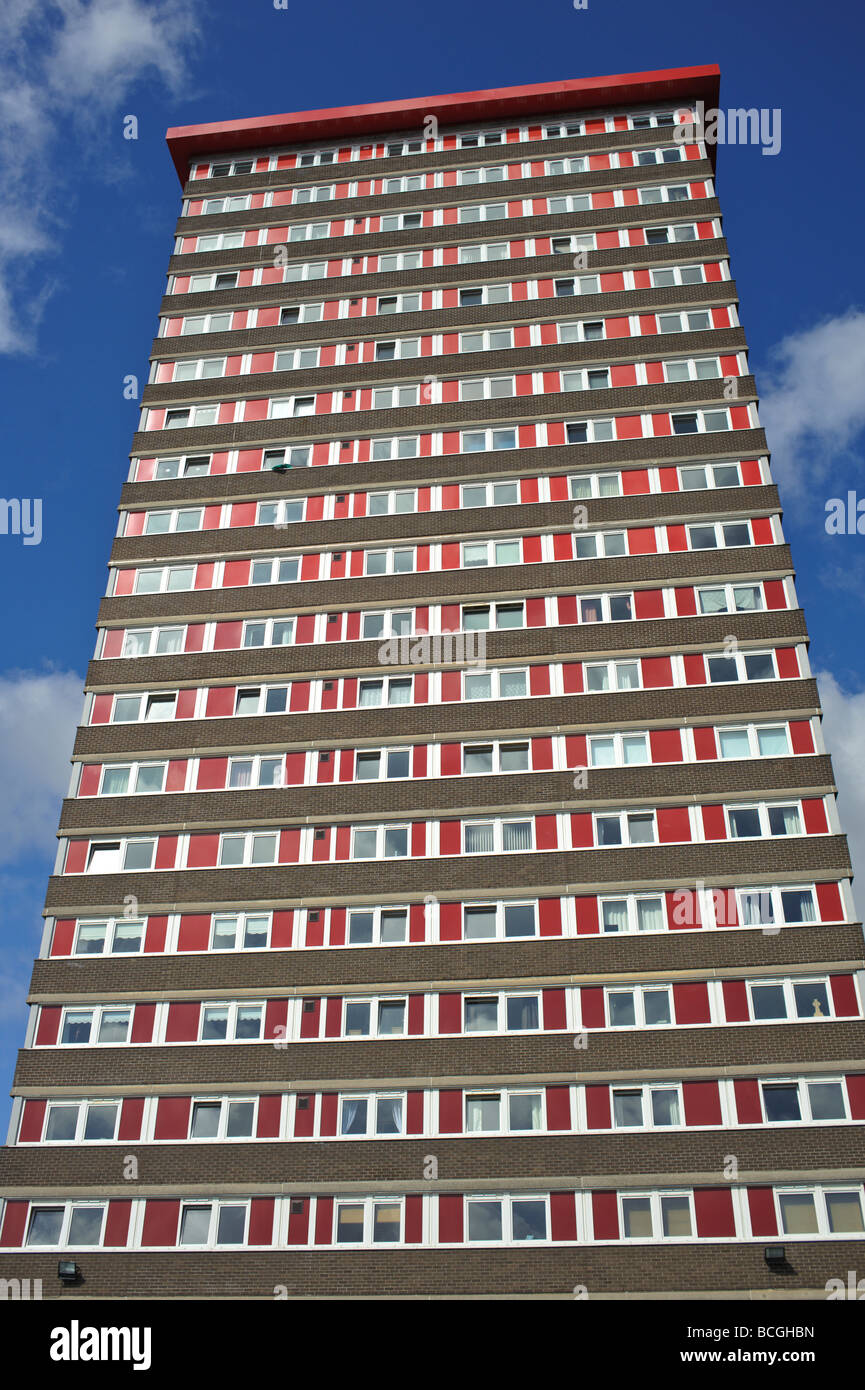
(220, 137)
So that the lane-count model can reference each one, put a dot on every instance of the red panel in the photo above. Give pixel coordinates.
(582, 830)
(686, 606)
(761, 1204)
(748, 1108)
(674, 825)
(605, 1216)
(227, 636)
(131, 1118)
(801, 739)
(202, 852)
(298, 1221)
(172, 1117)
(449, 837)
(451, 761)
(558, 1107)
(100, 712)
(275, 1019)
(117, 1223)
(194, 933)
(261, 1211)
(14, 1224)
(702, 1102)
(546, 832)
(212, 774)
(642, 540)
(550, 917)
(450, 1013)
(450, 1218)
(166, 852)
(532, 550)
(657, 671)
(856, 1095)
(450, 925)
(450, 1112)
(592, 1006)
(704, 744)
(414, 1112)
(76, 856)
(563, 1216)
(185, 706)
(691, 1003)
(776, 596)
(329, 1108)
(761, 527)
(598, 1110)
(413, 1220)
(155, 936)
(814, 816)
(160, 1222)
(49, 1025)
(416, 1014)
(553, 1009)
(536, 612)
(90, 777)
(182, 1024)
(844, 996)
(666, 745)
(714, 825)
(572, 674)
(735, 1001)
(63, 938)
(542, 756)
(649, 603)
(323, 1220)
(32, 1121)
(567, 606)
(713, 1209)
(829, 902)
(588, 923)
(220, 701)
(333, 1017)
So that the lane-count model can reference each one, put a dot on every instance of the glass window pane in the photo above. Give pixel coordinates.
(812, 1000)
(627, 1109)
(85, 1228)
(798, 1213)
(205, 1120)
(529, 1219)
(485, 1220)
(781, 1103)
(62, 1122)
(195, 1225)
(826, 1099)
(844, 1211)
(676, 1216)
(636, 1217)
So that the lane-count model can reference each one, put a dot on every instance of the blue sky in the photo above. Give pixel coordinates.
(86, 232)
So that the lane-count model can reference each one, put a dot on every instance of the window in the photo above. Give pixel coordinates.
(213, 1223)
(380, 842)
(790, 999)
(222, 1119)
(486, 388)
(495, 757)
(478, 554)
(494, 1013)
(509, 683)
(81, 1122)
(377, 926)
(389, 561)
(270, 632)
(618, 750)
(203, 367)
(77, 1224)
(397, 349)
(606, 608)
(279, 571)
(483, 617)
(153, 641)
(370, 1222)
(383, 1018)
(762, 821)
(261, 700)
(109, 856)
(498, 837)
(709, 476)
(595, 485)
(717, 534)
(589, 431)
(490, 494)
(595, 545)
(379, 765)
(187, 519)
(697, 322)
(493, 1220)
(389, 623)
(754, 741)
(279, 513)
(205, 323)
(110, 936)
(239, 931)
(632, 913)
(170, 579)
(490, 340)
(391, 503)
(823, 1211)
(259, 847)
(499, 921)
(101, 1025)
(612, 675)
(731, 598)
(371, 1115)
(483, 441)
(646, 1107)
(394, 690)
(656, 1216)
(231, 1022)
(588, 331)
(643, 1007)
(741, 666)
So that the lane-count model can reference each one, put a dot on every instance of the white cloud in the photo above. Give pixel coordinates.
(812, 402)
(38, 717)
(844, 730)
(65, 65)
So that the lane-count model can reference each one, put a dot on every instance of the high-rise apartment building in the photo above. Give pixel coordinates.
(450, 896)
